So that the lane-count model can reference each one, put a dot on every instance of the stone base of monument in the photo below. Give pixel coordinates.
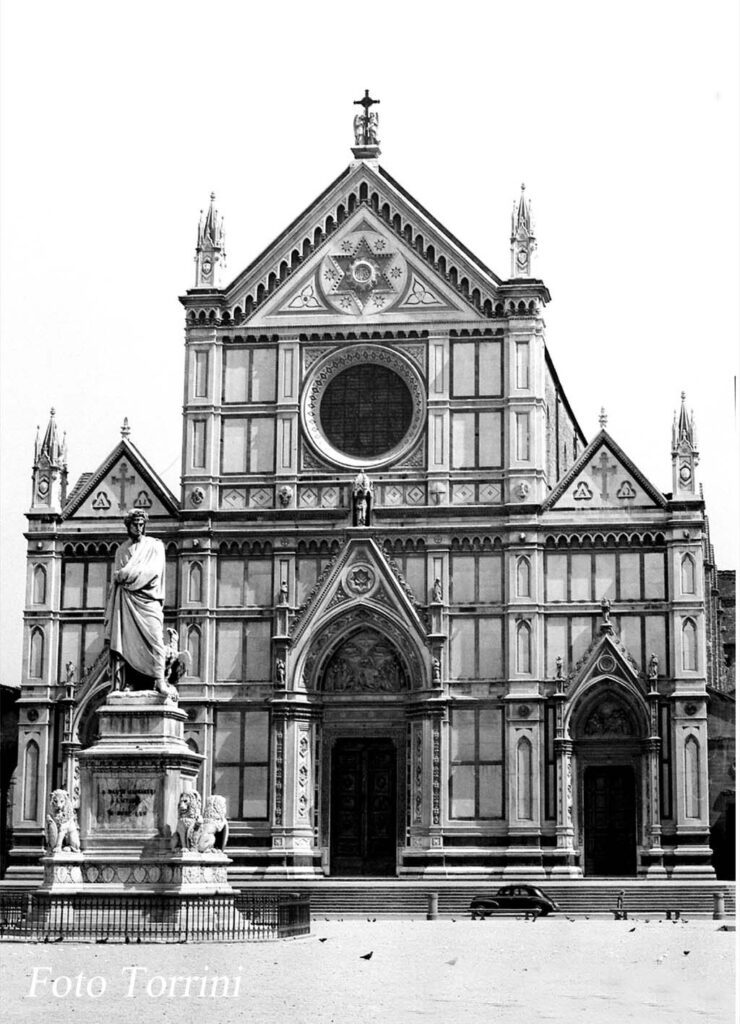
(179, 872)
(132, 782)
(62, 872)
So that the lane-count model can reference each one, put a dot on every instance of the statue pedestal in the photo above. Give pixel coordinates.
(131, 781)
(62, 872)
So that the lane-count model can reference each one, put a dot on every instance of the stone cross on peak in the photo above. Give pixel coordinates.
(366, 127)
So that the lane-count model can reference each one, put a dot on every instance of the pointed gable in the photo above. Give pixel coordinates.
(435, 270)
(360, 575)
(364, 272)
(604, 478)
(124, 480)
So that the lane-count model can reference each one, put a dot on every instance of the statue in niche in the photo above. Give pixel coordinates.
(362, 499)
(283, 596)
(134, 618)
(280, 672)
(437, 591)
(436, 672)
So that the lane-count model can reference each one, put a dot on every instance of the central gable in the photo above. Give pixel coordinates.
(305, 272)
(364, 273)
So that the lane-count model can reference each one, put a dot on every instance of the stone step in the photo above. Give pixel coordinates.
(402, 898)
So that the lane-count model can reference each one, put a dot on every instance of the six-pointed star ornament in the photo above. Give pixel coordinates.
(363, 273)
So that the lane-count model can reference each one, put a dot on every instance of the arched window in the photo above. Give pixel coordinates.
(31, 781)
(39, 585)
(194, 652)
(688, 646)
(523, 573)
(36, 654)
(524, 779)
(195, 583)
(688, 575)
(691, 776)
(523, 647)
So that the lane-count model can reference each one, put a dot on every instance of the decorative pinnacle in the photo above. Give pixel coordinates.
(602, 418)
(125, 428)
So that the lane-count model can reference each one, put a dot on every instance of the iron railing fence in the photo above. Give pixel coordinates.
(165, 917)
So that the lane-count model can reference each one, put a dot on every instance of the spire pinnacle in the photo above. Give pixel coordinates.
(602, 418)
(125, 428)
(684, 450)
(523, 241)
(49, 467)
(210, 251)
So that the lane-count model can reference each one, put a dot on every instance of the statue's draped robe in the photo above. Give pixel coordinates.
(134, 617)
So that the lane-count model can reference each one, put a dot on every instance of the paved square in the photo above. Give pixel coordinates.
(498, 971)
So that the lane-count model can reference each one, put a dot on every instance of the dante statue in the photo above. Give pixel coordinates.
(134, 618)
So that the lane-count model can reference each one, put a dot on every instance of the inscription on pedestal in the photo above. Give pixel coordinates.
(126, 803)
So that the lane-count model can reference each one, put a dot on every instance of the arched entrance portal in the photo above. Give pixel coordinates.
(608, 751)
(364, 683)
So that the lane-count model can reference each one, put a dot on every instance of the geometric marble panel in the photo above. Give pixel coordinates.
(309, 497)
(463, 494)
(415, 495)
(233, 497)
(260, 497)
(490, 493)
(329, 497)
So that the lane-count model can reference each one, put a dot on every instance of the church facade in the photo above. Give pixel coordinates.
(432, 627)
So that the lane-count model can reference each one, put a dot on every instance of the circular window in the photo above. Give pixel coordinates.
(365, 411)
(364, 406)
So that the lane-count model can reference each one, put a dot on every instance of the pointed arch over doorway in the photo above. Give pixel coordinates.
(609, 726)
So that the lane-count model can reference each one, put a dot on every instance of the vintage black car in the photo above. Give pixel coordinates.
(512, 898)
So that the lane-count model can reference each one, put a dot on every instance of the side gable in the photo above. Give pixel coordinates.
(124, 480)
(604, 477)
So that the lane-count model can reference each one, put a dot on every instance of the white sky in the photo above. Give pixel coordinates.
(118, 121)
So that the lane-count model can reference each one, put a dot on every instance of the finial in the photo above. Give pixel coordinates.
(52, 411)
(366, 128)
(125, 428)
(213, 197)
(523, 186)
(602, 418)
(683, 396)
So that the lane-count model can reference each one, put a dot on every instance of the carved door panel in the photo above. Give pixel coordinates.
(609, 810)
(363, 819)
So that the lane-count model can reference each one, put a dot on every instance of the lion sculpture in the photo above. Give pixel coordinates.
(189, 820)
(214, 832)
(61, 824)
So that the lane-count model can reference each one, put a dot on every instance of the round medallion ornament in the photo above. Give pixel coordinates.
(363, 407)
(197, 496)
(43, 487)
(524, 711)
(606, 663)
(360, 580)
(32, 715)
(690, 709)
(363, 274)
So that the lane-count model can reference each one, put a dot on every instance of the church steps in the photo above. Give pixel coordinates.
(400, 899)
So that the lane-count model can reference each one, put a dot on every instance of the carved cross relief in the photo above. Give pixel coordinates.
(604, 470)
(123, 480)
